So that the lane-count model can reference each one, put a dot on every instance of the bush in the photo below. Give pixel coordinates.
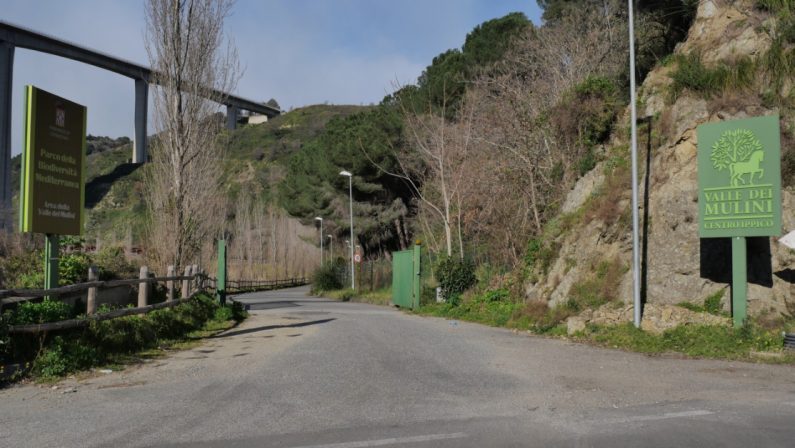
(114, 265)
(73, 268)
(691, 74)
(327, 277)
(455, 276)
(62, 357)
(39, 313)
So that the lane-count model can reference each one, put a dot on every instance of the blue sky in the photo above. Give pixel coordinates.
(299, 52)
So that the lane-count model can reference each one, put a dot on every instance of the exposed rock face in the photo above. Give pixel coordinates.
(681, 267)
(656, 318)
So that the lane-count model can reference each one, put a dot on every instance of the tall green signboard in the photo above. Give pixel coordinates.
(52, 184)
(739, 180)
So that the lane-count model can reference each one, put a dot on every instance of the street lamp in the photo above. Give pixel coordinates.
(350, 196)
(318, 218)
(331, 247)
(634, 151)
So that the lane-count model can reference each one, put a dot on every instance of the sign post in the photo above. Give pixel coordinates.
(739, 180)
(52, 180)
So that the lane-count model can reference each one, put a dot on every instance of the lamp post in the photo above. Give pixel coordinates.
(634, 126)
(350, 196)
(331, 247)
(318, 218)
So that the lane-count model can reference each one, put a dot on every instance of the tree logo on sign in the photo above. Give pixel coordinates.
(739, 151)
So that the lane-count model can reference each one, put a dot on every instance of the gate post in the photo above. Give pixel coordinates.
(416, 288)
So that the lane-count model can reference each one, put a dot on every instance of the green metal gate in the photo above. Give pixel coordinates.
(406, 278)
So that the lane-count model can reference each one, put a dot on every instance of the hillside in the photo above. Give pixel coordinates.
(733, 64)
(114, 198)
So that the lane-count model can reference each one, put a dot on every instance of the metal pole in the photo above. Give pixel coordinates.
(350, 195)
(634, 150)
(321, 241)
(51, 256)
(331, 248)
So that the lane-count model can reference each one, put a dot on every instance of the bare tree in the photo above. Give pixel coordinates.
(434, 165)
(192, 62)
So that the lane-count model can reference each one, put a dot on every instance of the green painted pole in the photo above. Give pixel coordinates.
(220, 284)
(51, 261)
(739, 281)
(417, 278)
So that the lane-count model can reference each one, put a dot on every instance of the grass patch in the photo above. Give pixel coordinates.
(377, 297)
(701, 341)
(711, 305)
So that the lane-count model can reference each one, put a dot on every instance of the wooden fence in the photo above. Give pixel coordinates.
(193, 281)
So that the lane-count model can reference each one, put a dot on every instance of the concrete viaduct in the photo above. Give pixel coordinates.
(13, 36)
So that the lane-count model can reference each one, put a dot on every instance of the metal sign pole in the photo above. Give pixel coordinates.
(739, 281)
(51, 255)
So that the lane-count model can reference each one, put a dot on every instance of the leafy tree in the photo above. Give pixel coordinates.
(273, 103)
(734, 146)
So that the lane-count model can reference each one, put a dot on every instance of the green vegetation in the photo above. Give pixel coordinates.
(711, 304)
(25, 269)
(692, 340)
(327, 277)
(454, 276)
(377, 297)
(109, 341)
(600, 286)
(692, 75)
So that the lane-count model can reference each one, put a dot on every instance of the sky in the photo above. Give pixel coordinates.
(299, 52)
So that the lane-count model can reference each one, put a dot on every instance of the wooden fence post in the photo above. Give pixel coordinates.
(91, 299)
(170, 283)
(186, 283)
(194, 286)
(143, 287)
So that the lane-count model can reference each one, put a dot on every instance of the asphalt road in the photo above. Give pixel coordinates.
(306, 372)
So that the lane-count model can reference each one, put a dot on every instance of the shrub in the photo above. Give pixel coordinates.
(327, 277)
(73, 268)
(455, 276)
(113, 264)
(64, 356)
(39, 313)
(691, 74)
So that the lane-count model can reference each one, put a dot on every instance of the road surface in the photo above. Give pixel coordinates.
(308, 372)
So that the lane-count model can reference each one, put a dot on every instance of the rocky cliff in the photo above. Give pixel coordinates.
(592, 238)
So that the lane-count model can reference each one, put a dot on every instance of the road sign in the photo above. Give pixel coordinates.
(52, 186)
(739, 190)
(357, 258)
(739, 178)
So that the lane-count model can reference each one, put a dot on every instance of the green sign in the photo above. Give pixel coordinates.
(52, 191)
(739, 178)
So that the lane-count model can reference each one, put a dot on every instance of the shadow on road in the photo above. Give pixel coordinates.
(273, 327)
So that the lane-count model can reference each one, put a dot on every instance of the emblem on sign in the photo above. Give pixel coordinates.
(60, 116)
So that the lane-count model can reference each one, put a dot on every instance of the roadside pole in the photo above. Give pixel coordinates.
(739, 281)
(51, 256)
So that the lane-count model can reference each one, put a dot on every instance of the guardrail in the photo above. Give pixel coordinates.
(263, 285)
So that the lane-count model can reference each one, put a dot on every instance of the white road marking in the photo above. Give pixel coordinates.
(392, 441)
(665, 416)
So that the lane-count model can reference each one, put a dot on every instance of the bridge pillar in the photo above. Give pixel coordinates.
(6, 87)
(231, 117)
(141, 113)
